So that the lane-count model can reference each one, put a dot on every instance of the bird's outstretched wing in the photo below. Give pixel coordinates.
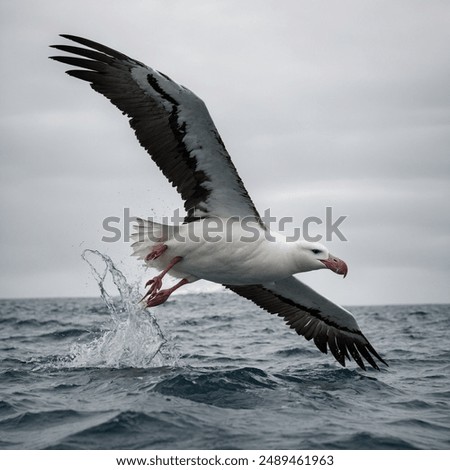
(171, 123)
(314, 317)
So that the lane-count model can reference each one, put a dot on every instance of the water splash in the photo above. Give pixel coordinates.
(132, 337)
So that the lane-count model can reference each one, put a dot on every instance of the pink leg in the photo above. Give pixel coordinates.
(156, 252)
(160, 297)
(156, 282)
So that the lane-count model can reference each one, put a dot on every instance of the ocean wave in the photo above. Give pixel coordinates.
(369, 441)
(292, 352)
(130, 430)
(60, 334)
(225, 389)
(6, 408)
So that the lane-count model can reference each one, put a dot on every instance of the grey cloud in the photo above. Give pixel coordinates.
(344, 104)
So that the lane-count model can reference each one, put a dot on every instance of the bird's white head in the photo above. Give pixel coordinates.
(316, 256)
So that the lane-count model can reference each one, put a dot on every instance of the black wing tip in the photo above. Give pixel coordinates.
(80, 40)
(96, 46)
(86, 75)
(61, 47)
(382, 360)
(379, 358)
(59, 58)
(72, 37)
(372, 361)
(358, 351)
(362, 366)
(374, 353)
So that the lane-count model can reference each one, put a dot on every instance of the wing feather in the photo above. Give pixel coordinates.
(171, 123)
(311, 315)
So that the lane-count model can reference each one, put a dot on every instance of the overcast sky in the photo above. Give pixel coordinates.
(320, 103)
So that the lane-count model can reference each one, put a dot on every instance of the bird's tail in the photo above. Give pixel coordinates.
(148, 234)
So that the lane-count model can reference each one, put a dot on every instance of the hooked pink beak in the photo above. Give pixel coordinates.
(336, 265)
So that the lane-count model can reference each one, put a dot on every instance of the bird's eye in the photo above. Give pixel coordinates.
(316, 251)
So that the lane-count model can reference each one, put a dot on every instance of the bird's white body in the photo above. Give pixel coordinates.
(225, 251)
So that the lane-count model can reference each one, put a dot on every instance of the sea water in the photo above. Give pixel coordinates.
(212, 371)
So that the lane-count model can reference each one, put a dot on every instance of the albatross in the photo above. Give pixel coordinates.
(222, 238)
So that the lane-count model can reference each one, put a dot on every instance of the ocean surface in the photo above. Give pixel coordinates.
(213, 371)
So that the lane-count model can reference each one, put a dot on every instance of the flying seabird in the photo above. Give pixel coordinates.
(223, 238)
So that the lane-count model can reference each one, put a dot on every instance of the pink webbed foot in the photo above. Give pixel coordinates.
(155, 283)
(156, 252)
(160, 297)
